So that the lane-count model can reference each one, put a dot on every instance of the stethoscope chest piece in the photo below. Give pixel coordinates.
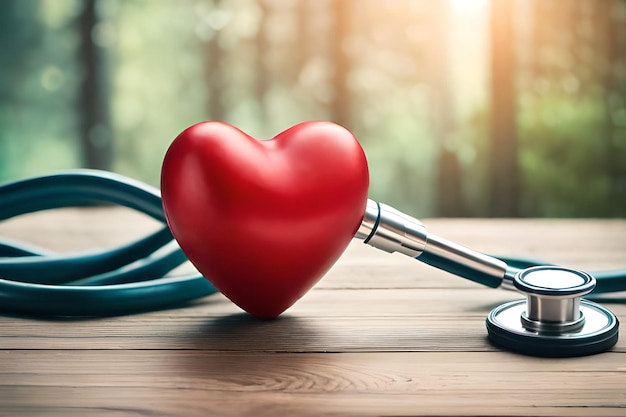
(553, 320)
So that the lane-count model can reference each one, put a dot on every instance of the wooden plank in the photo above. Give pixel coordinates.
(325, 320)
(170, 382)
(380, 334)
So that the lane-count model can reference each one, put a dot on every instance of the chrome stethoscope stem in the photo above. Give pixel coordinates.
(390, 230)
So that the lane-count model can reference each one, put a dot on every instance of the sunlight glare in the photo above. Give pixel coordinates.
(468, 6)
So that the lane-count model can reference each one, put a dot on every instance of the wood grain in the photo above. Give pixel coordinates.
(379, 335)
(178, 382)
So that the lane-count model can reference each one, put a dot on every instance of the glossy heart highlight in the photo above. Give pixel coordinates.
(264, 220)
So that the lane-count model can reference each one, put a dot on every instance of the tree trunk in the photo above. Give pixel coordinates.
(340, 105)
(262, 74)
(95, 125)
(503, 173)
(214, 55)
(614, 85)
(448, 177)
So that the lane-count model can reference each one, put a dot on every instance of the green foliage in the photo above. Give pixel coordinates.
(264, 66)
(157, 82)
(37, 131)
(564, 154)
(401, 154)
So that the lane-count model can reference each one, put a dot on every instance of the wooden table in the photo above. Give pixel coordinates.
(379, 335)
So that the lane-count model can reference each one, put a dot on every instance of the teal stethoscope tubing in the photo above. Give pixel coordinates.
(127, 279)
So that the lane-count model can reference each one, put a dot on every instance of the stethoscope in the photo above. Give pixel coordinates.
(553, 320)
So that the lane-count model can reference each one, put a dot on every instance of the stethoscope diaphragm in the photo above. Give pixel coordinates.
(553, 321)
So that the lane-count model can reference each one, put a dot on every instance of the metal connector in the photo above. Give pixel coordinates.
(369, 222)
(390, 230)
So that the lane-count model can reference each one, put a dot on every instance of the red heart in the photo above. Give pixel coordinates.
(264, 220)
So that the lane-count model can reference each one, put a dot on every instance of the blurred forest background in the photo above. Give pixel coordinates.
(463, 107)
